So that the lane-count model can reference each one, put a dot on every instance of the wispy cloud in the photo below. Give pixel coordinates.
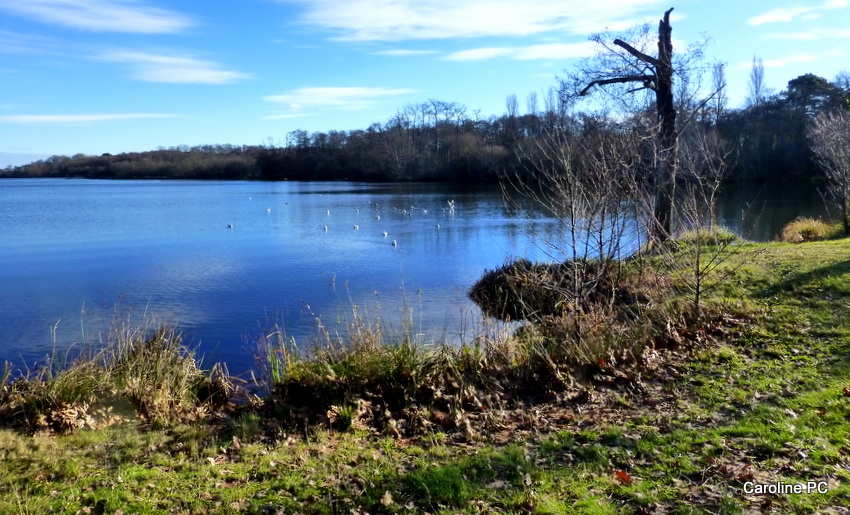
(18, 43)
(813, 34)
(79, 119)
(400, 52)
(787, 14)
(177, 70)
(479, 54)
(398, 20)
(353, 98)
(546, 51)
(100, 15)
(286, 116)
(799, 58)
(785, 61)
(796, 58)
(782, 14)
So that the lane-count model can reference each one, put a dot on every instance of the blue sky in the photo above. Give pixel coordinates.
(95, 76)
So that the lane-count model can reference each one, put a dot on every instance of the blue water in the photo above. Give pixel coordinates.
(79, 255)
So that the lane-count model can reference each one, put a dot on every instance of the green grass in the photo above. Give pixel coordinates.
(759, 397)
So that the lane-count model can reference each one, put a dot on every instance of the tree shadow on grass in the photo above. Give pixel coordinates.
(799, 282)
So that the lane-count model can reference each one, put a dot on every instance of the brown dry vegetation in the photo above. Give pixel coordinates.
(140, 373)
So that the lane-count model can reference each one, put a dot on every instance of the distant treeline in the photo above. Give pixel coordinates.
(444, 141)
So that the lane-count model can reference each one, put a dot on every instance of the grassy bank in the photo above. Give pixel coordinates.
(658, 412)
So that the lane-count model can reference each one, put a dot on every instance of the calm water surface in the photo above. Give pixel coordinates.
(77, 254)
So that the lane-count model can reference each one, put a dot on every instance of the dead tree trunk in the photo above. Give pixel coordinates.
(668, 138)
(659, 80)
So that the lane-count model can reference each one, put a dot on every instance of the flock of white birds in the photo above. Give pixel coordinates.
(404, 211)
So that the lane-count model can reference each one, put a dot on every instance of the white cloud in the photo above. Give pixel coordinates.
(555, 51)
(785, 61)
(100, 15)
(478, 54)
(17, 43)
(287, 116)
(78, 119)
(782, 14)
(787, 14)
(352, 98)
(812, 34)
(176, 70)
(396, 20)
(404, 53)
(800, 58)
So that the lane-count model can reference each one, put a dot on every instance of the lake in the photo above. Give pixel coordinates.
(226, 261)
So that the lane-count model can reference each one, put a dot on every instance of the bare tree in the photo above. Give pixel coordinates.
(701, 247)
(756, 87)
(511, 129)
(718, 84)
(555, 109)
(512, 105)
(842, 82)
(655, 74)
(580, 180)
(531, 103)
(830, 136)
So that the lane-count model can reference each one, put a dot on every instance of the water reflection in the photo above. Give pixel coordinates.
(759, 211)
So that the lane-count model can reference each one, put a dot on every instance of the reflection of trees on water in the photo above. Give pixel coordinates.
(759, 211)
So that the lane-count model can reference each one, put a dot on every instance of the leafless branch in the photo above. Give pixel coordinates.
(646, 79)
(637, 53)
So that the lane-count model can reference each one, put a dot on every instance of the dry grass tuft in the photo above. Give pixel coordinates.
(148, 374)
(804, 230)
